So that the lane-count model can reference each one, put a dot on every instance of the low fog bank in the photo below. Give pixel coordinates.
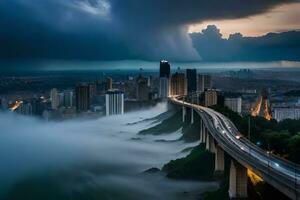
(100, 153)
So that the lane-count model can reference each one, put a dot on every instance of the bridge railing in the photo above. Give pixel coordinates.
(272, 172)
(276, 161)
(280, 160)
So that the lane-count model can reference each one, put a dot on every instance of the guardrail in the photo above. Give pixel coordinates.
(279, 172)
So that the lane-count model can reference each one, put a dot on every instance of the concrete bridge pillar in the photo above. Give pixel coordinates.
(183, 113)
(207, 143)
(212, 146)
(219, 160)
(192, 115)
(201, 131)
(237, 181)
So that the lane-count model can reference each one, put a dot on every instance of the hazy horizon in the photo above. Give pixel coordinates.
(79, 65)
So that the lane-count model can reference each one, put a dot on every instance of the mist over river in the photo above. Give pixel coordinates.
(90, 159)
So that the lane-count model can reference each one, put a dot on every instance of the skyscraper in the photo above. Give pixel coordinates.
(60, 98)
(204, 82)
(234, 104)
(178, 84)
(210, 97)
(25, 108)
(114, 102)
(109, 82)
(164, 69)
(163, 87)
(68, 98)
(143, 89)
(82, 98)
(191, 75)
(54, 99)
(93, 89)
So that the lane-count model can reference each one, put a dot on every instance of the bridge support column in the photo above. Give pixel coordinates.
(183, 113)
(212, 146)
(207, 143)
(237, 181)
(202, 131)
(192, 115)
(201, 135)
(219, 161)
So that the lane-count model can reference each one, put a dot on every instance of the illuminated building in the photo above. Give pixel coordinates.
(114, 102)
(109, 83)
(282, 113)
(54, 99)
(164, 69)
(178, 84)
(164, 75)
(234, 104)
(210, 97)
(163, 87)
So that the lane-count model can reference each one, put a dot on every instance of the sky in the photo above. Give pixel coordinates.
(281, 18)
(190, 30)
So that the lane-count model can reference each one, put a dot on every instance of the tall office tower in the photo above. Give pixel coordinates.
(35, 105)
(164, 69)
(178, 84)
(93, 89)
(143, 90)
(25, 108)
(204, 82)
(54, 99)
(149, 81)
(68, 98)
(109, 83)
(210, 97)
(82, 98)
(163, 87)
(191, 75)
(114, 102)
(234, 104)
(164, 82)
(61, 98)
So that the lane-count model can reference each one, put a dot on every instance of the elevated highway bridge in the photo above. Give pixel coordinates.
(220, 135)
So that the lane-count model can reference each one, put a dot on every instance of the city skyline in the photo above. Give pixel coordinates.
(149, 99)
(184, 102)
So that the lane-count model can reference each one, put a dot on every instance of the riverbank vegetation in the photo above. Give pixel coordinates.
(198, 165)
(168, 125)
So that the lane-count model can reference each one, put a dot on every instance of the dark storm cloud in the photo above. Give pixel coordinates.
(273, 46)
(111, 29)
